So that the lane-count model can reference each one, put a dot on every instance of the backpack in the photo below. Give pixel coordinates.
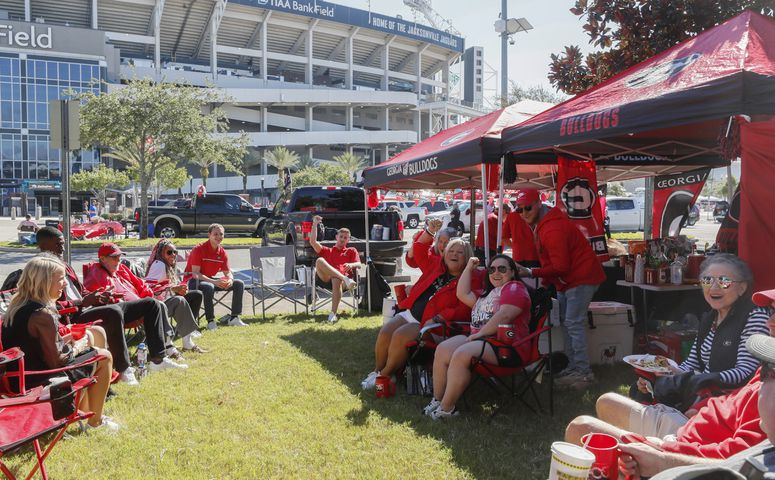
(379, 289)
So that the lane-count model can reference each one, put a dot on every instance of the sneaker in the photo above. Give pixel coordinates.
(370, 381)
(174, 353)
(332, 318)
(165, 364)
(235, 321)
(349, 283)
(576, 380)
(438, 414)
(195, 349)
(563, 373)
(128, 377)
(431, 407)
(211, 325)
(196, 334)
(107, 424)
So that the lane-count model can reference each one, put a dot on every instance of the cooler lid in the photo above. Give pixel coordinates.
(609, 308)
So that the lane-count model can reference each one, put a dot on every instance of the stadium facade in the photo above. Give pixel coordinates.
(317, 77)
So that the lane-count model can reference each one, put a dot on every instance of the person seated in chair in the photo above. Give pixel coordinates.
(31, 324)
(27, 225)
(205, 262)
(98, 305)
(504, 301)
(335, 264)
(182, 304)
(112, 275)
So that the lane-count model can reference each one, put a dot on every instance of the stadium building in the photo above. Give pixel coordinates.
(317, 77)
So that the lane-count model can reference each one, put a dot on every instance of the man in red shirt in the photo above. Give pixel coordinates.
(518, 235)
(569, 263)
(492, 234)
(210, 272)
(335, 264)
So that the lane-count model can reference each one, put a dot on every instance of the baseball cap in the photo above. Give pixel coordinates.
(764, 298)
(109, 249)
(762, 347)
(527, 196)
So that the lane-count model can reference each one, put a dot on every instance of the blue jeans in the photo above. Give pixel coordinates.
(208, 292)
(574, 304)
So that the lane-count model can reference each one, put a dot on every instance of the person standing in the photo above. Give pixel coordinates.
(206, 261)
(569, 263)
(335, 264)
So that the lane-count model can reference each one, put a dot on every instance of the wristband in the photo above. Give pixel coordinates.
(429, 232)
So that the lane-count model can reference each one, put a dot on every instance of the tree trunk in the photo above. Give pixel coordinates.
(143, 204)
(245, 184)
(205, 172)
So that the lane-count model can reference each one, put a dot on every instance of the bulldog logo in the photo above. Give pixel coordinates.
(405, 169)
(662, 72)
(578, 198)
(456, 138)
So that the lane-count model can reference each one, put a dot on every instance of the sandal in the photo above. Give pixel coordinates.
(195, 349)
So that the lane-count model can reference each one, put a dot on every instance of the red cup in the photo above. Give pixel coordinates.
(606, 450)
(78, 330)
(506, 333)
(400, 292)
(385, 387)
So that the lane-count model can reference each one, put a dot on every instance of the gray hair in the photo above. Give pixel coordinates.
(742, 270)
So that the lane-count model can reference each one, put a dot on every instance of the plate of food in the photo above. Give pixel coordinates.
(651, 363)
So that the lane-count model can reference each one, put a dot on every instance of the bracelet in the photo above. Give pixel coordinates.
(429, 232)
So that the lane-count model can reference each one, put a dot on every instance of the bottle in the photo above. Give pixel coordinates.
(410, 381)
(142, 359)
(676, 272)
(640, 267)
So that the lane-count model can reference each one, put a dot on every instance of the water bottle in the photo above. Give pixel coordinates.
(410, 381)
(142, 358)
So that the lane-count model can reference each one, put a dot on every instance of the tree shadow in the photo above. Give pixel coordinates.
(514, 440)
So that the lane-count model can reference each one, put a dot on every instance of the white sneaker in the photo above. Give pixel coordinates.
(576, 380)
(431, 407)
(370, 381)
(195, 334)
(107, 423)
(332, 318)
(236, 322)
(128, 377)
(211, 325)
(349, 283)
(165, 364)
(438, 414)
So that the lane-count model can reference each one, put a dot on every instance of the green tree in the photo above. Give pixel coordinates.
(98, 180)
(244, 164)
(350, 163)
(323, 174)
(627, 32)
(282, 159)
(616, 189)
(170, 178)
(150, 125)
(517, 93)
(307, 162)
(726, 188)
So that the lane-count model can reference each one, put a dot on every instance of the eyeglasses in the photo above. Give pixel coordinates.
(768, 371)
(499, 268)
(171, 252)
(526, 208)
(722, 281)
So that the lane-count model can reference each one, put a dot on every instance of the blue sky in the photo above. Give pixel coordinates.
(554, 28)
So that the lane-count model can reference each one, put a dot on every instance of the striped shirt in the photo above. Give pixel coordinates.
(745, 364)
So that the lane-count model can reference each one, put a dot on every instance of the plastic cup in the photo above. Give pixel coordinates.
(385, 388)
(400, 292)
(570, 462)
(605, 448)
(388, 309)
(77, 331)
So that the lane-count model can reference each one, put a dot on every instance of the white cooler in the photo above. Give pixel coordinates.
(558, 338)
(610, 332)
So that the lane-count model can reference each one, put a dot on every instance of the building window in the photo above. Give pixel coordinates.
(478, 88)
(478, 63)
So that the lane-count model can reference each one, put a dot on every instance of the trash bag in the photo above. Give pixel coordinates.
(379, 289)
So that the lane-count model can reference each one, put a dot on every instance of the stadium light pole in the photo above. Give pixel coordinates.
(507, 27)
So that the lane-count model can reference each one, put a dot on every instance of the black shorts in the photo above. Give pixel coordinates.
(506, 354)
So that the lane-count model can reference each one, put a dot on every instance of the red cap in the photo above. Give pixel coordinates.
(527, 196)
(764, 298)
(109, 249)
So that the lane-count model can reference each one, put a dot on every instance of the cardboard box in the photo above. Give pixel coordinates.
(610, 332)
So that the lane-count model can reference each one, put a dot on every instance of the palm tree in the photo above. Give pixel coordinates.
(307, 162)
(281, 158)
(204, 164)
(350, 163)
(244, 164)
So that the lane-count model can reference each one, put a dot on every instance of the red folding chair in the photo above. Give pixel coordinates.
(27, 417)
(419, 379)
(516, 382)
(135, 326)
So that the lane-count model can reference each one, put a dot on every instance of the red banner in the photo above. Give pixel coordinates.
(577, 197)
(674, 196)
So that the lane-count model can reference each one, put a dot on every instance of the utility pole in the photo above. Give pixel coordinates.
(504, 57)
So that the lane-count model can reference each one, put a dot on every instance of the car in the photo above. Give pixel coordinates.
(411, 214)
(96, 228)
(720, 211)
(438, 206)
(625, 214)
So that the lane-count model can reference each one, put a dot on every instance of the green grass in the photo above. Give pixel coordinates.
(627, 235)
(148, 242)
(282, 399)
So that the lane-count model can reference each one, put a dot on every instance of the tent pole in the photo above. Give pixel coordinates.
(484, 213)
(366, 229)
(500, 208)
(648, 209)
(472, 216)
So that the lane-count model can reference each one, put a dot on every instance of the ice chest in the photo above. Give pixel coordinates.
(558, 338)
(610, 332)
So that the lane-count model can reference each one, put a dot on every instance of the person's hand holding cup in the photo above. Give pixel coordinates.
(434, 225)
(181, 289)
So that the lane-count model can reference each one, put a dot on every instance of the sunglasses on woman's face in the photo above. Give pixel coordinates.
(171, 252)
(499, 268)
(722, 281)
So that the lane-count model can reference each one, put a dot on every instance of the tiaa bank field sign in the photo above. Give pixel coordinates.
(29, 36)
(51, 38)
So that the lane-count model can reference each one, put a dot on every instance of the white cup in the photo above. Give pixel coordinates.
(570, 462)
(388, 309)
(385, 233)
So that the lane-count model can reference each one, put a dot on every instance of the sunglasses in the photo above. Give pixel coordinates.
(171, 252)
(767, 372)
(499, 268)
(526, 208)
(722, 281)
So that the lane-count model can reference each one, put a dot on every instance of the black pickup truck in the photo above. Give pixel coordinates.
(192, 217)
(290, 223)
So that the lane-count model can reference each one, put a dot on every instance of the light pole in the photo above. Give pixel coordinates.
(507, 27)
(263, 199)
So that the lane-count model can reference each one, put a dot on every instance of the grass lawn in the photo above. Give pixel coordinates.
(148, 242)
(282, 399)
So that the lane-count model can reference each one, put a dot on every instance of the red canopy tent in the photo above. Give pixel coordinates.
(668, 115)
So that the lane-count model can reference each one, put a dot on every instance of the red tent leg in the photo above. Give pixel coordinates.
(6, 472)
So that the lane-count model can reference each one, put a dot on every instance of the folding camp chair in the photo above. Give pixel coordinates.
(419, 366)
(26, 418)
(321, 293)
(273, 281)
(522, 379)
(136, 327)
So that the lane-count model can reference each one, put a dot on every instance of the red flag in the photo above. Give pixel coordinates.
(373, 198)
(674, 196)
(577, 197)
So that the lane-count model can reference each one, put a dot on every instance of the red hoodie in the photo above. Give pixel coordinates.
(95, 276)
(523, 246)
(567, 258)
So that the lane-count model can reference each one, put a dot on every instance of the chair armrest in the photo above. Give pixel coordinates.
(429, 326)
(533, 335)
(27, 373)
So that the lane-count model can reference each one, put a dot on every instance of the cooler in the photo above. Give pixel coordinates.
(558, 338)
(610, 332)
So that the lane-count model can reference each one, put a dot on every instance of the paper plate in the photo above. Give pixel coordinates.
(645, 363)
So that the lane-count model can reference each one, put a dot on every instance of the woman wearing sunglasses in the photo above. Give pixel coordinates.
(182, 304)
(504, 305)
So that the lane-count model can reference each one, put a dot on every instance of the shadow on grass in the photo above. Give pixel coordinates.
(515, 440)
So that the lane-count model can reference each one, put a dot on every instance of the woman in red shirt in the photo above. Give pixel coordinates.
(504, 301)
